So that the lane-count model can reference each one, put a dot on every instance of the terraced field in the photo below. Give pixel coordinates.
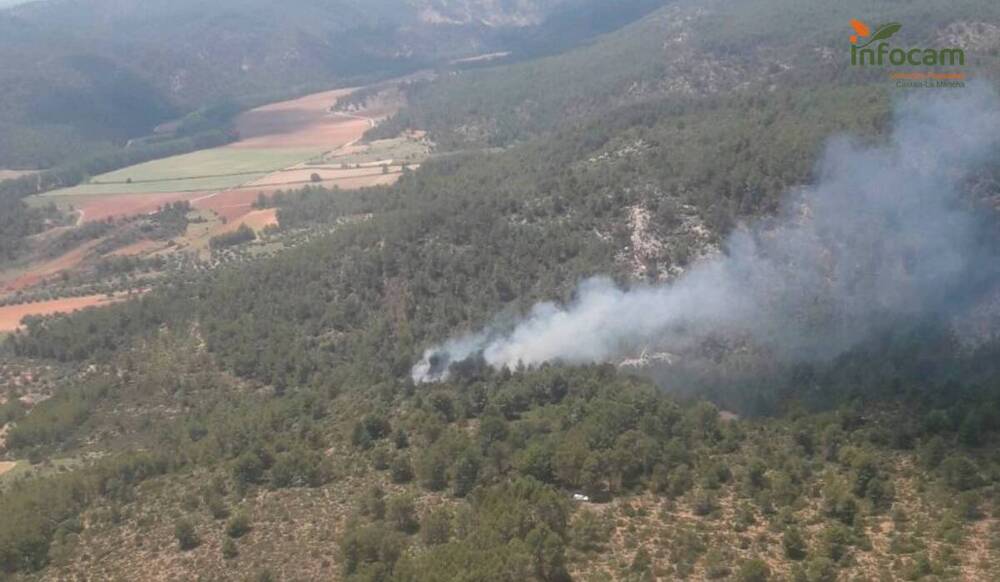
(282, 146)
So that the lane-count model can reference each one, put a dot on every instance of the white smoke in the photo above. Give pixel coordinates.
(884, 234)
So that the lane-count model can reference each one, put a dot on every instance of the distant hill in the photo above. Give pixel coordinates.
(687, 50)
(78, 75)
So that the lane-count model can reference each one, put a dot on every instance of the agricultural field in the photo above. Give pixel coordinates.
(38, 272)
(199, 236)
(257, 220)
(306, 122)
(374, 175)
(11, 316)
(282, 146)
(200, 171)
(101, 207)
(410, 148)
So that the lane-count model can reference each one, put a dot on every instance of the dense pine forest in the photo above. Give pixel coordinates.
(258, 420)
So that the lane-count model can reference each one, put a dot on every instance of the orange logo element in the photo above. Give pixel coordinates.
(881, 33)
(861, 28)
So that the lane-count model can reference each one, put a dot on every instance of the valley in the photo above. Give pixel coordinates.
(282, 146)
(277, 144)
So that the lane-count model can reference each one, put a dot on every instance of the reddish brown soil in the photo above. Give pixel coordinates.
(40, 272)
(300, 123)
(120, 205)
(260, 219)
(328, 132)
(234, 203)
(256, 219)
(229, 204)
(11, 316)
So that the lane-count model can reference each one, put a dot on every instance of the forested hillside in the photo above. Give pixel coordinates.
(686, 50)
(316, 345)
(259, 420)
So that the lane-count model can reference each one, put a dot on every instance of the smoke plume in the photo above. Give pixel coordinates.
(884, 234)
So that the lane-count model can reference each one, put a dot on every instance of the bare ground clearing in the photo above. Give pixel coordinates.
(12, 315)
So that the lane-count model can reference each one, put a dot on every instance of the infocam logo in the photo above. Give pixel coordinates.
(872, 49)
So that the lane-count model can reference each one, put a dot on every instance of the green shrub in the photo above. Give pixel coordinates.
(755, 570)
(401, 514)
(229, 549)
(590, 532)
(241, 235)
(372, 503)
(238, 525)
(217, 507)
(820, 569)
(794, 544)
(716, 566)
(401, 471)
(960, 473)
(187, 537)
(436, 527)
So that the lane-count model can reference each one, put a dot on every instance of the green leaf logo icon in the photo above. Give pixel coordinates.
(884, 32)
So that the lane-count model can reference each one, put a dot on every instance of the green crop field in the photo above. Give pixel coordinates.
(213, 169)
